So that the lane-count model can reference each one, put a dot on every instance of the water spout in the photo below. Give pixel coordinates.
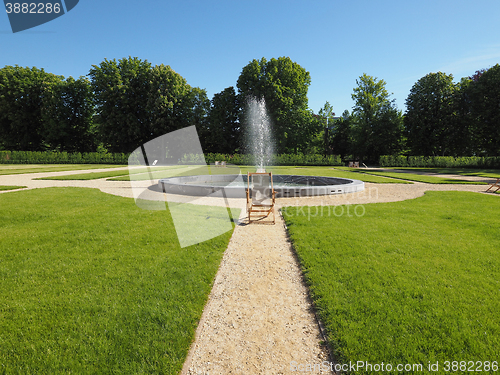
(259, 133)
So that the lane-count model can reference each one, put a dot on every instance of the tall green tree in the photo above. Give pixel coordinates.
(485, 98)
(327, 116)
(462, 138)
(67, 116)
(22, 95)
(136, 102)
(222, 131)
(121, 90)
(429, 116)
(377, 125)
(341, 136)
(283, 84)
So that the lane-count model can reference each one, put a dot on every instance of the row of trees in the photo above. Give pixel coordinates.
(40, 110)
(442, 118)
(123, 104)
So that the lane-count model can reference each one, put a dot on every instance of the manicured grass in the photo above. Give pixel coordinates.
(11, 187)
(407, 282)
(422, 178)
(42, 168)
(333, 172)
(91, 284)
(489, 173)
(189, 170)
(87, 176)
(123, 175)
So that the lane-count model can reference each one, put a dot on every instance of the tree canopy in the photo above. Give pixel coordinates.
(283, 84)
(222, 130)
(136, 102)
(484, 93)
(376, 122)
(129, 102)
(428, 116)
(39, 111)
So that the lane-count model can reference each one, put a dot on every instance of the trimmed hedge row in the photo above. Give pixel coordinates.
(283, 159)
(54, 157)
(440, 161)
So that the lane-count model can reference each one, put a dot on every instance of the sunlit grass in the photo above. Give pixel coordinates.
(406, 282)
(488, 173)
(408, 176)
(4, 188)
(92, 284)
(43, 168)
(424, 178)
(280, 170)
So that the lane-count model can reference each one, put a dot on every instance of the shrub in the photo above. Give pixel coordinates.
(281, 159)
(440, 161)
(55, 157)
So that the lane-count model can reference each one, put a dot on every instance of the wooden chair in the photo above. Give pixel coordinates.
(494, 185)
(261, 197)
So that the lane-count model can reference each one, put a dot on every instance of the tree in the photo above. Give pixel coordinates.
(326, 113)
(121, 98)
(283, 84)
(67, 116)
(222, 133)
(341, 140)
(136, 102)
(429, 115)
(462, 139)
(485, 101)
(377, 126)
(22, 95)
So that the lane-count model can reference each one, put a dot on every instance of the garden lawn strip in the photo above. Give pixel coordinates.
(306, 171)
(410, 282)
(4, 188)
(488, 173)
(422, 178)
(7, 169)
(93, 284)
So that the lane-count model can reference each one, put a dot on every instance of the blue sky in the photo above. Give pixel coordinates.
(209, 42)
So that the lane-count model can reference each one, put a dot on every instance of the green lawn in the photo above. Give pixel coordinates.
(87, 176)
(422, 178)
(3, 188)
(489, 173)
(42, 168)
(92, 284)
(407, 282)
(306, 171)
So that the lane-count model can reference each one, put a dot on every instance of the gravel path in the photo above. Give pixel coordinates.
(258, 318)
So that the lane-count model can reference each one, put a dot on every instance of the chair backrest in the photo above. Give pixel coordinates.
(260, 185)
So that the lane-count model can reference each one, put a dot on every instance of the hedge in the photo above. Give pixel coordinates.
(54, 157)
(440, 161)
(282, 159)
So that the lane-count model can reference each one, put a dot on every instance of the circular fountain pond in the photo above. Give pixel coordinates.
(234, 186)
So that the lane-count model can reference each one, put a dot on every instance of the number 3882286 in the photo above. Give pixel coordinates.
(33, 8)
